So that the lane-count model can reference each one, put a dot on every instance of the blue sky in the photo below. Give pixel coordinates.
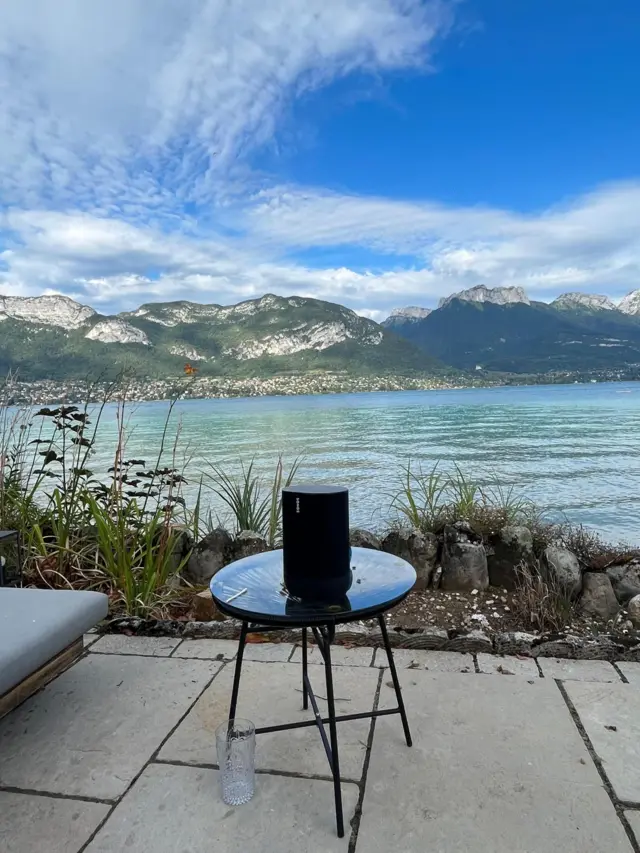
(375, 153)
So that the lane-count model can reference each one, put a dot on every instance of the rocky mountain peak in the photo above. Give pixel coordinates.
(593, 301)
(116, 331)
(630, 304)
(496, 295)
(410, 314)
(47, 310)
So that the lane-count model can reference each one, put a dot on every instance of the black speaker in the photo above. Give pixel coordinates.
(315, 542)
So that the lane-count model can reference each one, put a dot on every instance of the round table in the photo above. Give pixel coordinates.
(253, 591)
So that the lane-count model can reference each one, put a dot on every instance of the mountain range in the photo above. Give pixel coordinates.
(54, 337)
(501, 329)
(490, 329)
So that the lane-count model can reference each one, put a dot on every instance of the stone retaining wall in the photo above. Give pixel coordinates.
(459, 559)
(604, 647)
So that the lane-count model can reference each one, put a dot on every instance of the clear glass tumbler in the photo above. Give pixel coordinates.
(236, 744)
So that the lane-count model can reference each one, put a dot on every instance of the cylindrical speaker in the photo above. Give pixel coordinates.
(315, 541)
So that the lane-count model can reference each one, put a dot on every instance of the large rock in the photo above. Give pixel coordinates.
(208, 556)
(598, 598)
(512, 547)
(633, 609)
(246, 544)
(203, 609)
(419, 549)
(561, 566)
(464, 560)
(359, 538)
(625, 581)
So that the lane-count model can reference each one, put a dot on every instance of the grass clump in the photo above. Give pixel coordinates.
(253, 503)
(430, 500)
(539, 602)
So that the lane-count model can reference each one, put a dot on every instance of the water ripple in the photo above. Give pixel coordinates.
(574, 449)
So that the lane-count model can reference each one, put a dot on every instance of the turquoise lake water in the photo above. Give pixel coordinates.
(575, 450)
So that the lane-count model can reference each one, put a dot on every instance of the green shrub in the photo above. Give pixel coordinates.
(428, 501)
(252, 503)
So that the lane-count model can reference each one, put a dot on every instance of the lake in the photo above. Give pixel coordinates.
(574, 450)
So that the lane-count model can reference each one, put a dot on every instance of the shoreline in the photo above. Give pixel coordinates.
(48, 392)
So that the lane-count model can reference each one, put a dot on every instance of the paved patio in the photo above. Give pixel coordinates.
(118, 754)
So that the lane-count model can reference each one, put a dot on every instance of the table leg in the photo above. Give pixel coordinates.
(236, 678)
(335, 763)
(394, 678)
(305, 698)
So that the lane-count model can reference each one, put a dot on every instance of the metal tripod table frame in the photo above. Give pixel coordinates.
(251, 590)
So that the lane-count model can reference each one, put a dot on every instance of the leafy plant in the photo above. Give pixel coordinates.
(136, 553)
(245, 498)
(421, 499)
(464, 494)
(430, 500)
(274, 524)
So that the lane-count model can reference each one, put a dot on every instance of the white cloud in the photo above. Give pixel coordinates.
(591, 245)
(592, 242)
(124, 104)
(125, 163)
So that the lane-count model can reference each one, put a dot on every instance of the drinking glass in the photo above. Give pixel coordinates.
(236, 745)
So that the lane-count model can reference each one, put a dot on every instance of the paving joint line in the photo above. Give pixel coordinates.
(129, 655)
(623, 677)
(540, 672)
(476, 665)
(266, 771)
(357, 815)
(618, 805)
(55, 795)
(220, 658)
(151, 760)
(175, 649)
(170, 656)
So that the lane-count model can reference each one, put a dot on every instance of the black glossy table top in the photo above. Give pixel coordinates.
(380, 581)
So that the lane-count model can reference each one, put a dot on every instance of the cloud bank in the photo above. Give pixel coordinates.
(126, 146)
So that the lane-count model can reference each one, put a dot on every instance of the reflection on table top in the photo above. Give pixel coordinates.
(253, 590)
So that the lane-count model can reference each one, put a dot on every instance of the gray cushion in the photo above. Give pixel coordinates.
(36, 624)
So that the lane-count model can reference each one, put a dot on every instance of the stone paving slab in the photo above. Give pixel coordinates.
(618, 747)
(91, 730)
(630, 670)
(89, 639)
(120, 644)
(271, 695)
(497, 765)
(268, 652)
(508, 665)
(340, 655)
(578, 670)
(29, 823)
(209, 649)
(420, 659)
(171, 809)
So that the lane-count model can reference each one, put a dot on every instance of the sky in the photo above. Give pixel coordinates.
(376, 153)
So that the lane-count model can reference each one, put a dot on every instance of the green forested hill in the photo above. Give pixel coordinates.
(527, 338)
(259, 337)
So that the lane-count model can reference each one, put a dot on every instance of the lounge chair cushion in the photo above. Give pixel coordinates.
(37, 624)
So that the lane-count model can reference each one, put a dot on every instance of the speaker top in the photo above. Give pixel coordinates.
(315, 489)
